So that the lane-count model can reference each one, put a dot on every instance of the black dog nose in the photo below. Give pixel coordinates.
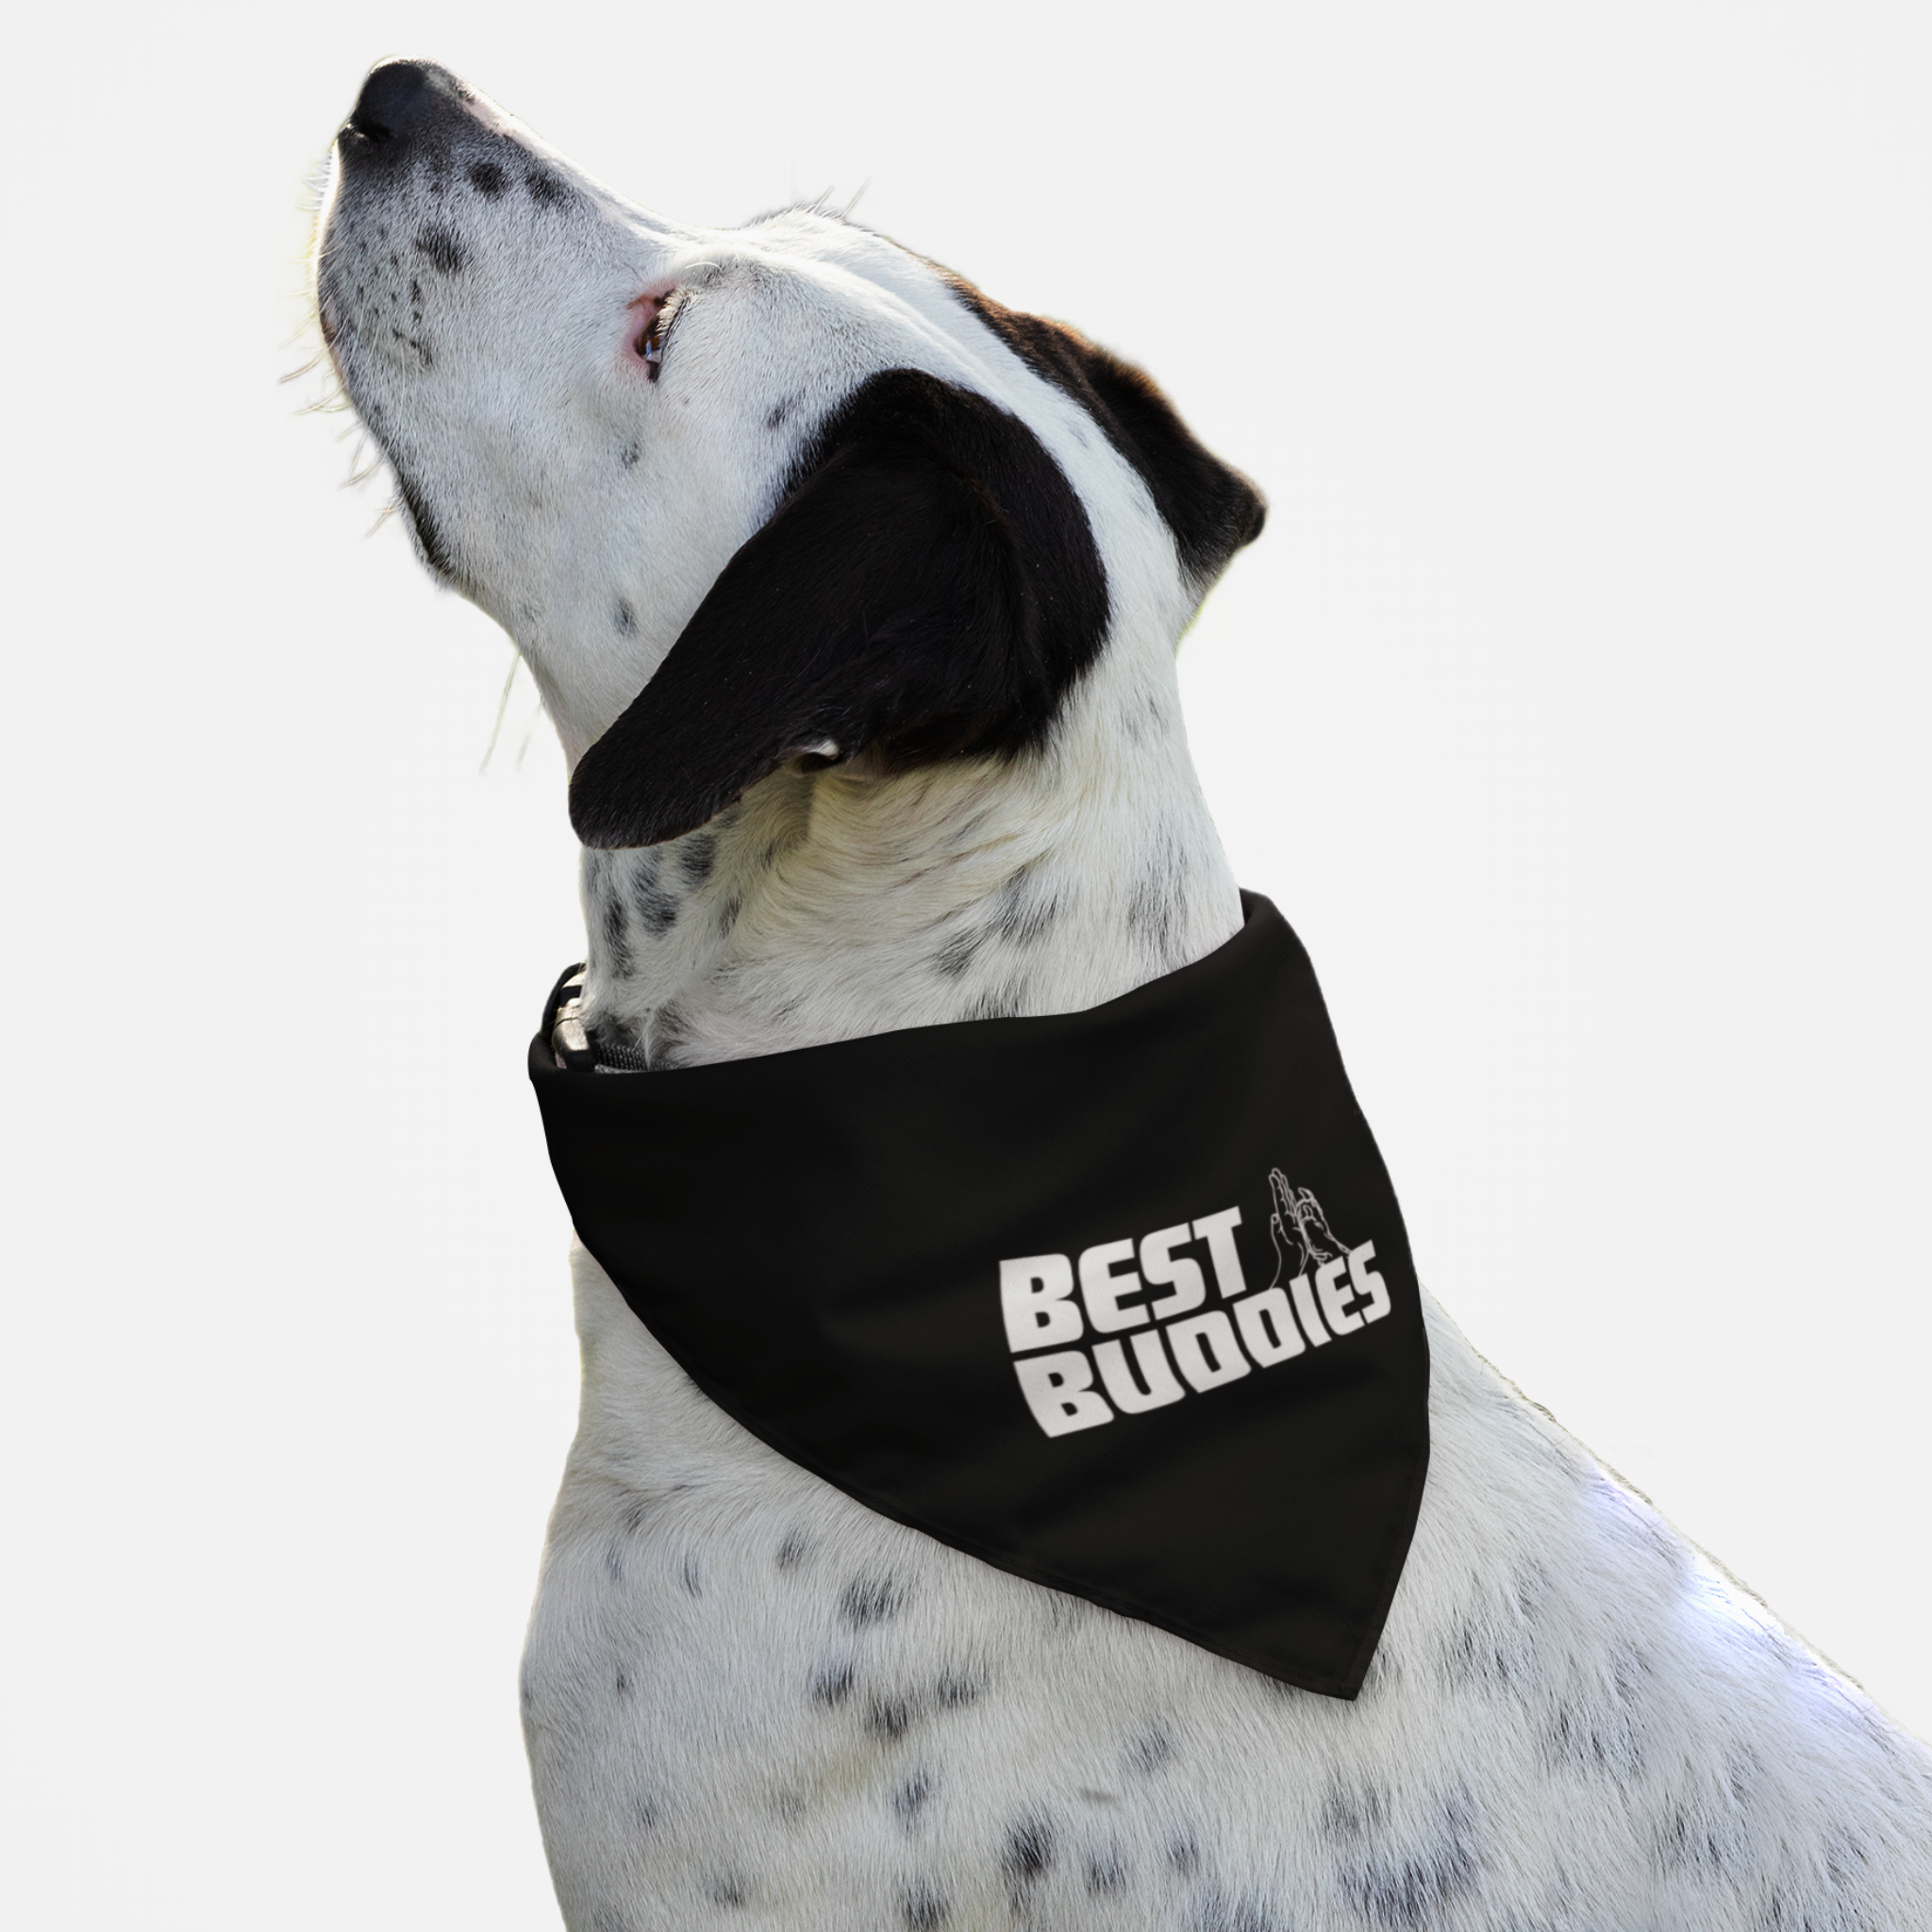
(399, 96)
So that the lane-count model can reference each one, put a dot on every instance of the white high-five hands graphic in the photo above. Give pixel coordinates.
(1315, 1241)
(1321, 1272)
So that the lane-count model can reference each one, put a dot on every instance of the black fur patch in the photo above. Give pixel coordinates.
(443, 248)
(831, 1684)
(656, 907)
(928, 587)
(1215, 1911)
(871, 1600)
(1028, 1853)
(909, 1799)
(1022, 913)
(924, 1907)
(428, 537)
(889, 1717)
(549, 190)
(956, 1692)
(1407, 1894)
(698, 859)
(489, 179)
(1212, 509)
(957, 955)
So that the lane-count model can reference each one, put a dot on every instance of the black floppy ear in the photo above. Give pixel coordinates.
(1210, 505)
(928, 587)
(1212, 509)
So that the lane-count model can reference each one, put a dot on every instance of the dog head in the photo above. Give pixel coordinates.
(743, 497)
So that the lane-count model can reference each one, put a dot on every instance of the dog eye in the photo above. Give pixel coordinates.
(650, 345)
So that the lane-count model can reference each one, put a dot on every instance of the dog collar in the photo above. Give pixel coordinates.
(1120, 1300)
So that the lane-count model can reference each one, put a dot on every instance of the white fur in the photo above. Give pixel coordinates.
(749, 1701)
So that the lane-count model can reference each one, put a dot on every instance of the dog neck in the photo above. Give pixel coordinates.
(826, 906)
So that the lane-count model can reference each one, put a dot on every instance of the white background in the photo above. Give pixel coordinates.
(1572, 707)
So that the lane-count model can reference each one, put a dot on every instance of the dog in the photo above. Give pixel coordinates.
(918, 757)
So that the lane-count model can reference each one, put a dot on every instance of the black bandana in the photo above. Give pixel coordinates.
(1119, 1301)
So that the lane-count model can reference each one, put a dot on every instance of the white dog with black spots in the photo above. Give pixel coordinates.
(899, 575)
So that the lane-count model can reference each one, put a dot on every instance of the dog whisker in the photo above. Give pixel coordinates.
(502, 706)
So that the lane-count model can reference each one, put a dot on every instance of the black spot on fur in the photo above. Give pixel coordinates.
(909, 1799)
(1022, 912)
(831, 1684)
(646, 1811)
(613, 1563)
(625, 619)
(428, 537)
(416, 293)
(1027, 1854)
(548, 190)
(656, 908)
(954, 1693)
(791, 1551)
(956, 630)
(728, 912)
(924, 1907)
(616, 934)
(1212, 509)
(443, 248)
(421, 347)
(1495, 1648)
(489, 179)
(1148, 1753)
(1215, 1911)
(957, 954)
(690, 1577)
(628, 455)
(1600, 1733)
(696, 856)
(1350, 1815)
(1155, 908)
(870, 1600)
(1107, 1871)
(1707, 1831)
(889, 1717)
(728, 1888)
(620, 1682)
(1184, 1852)
(1409, 1893)
(781, 413)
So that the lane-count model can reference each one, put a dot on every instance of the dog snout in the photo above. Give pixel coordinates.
(401, 101)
